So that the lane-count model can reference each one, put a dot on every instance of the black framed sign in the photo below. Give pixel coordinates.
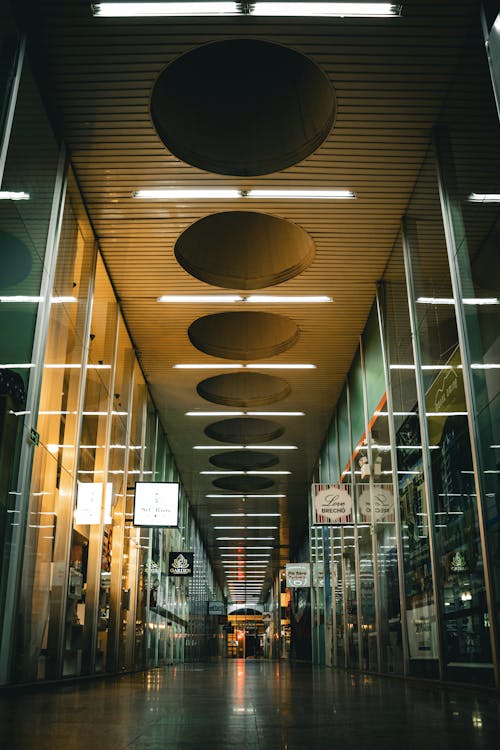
(181, 564)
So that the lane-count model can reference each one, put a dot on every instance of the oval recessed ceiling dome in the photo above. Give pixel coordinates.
(243, 483)
(244, 430)
(244, 250)
(242, 107)
(243, 335)
(243, 389)
(244, 460)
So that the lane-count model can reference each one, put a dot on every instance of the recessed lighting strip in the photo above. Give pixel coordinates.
(244, 447)
(261, 299)
(250, 366)
(176, 194)
(244, 413)
(110, 9)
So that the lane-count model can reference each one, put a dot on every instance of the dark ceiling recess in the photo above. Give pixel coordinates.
(244, 460)
(244, 389)
(244, 430)
(243, 335)
(242, 107)
(244, 250)
(243, 483)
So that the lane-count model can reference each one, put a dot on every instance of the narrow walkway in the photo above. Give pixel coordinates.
(247, 705)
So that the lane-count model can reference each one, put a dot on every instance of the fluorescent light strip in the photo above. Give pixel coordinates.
(234, 515)
(465, 300)
(13, 195)
(305, 194)
(244, 497)
(244, 538)
(167, 194)
(248, 473)
(252, 366)
(484, 197)
(244, 414)
(244, 447)
(261, 299)
(201, 298)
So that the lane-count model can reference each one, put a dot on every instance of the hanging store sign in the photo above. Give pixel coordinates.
(156, 504)
(181, 564)
(298, 575)
(89, 503)
(376, 504)
(332, 505)
(216, 608)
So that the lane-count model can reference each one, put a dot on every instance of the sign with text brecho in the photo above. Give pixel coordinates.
(181, 564)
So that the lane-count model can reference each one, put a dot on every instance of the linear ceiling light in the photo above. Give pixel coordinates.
(307, 194)
(484, 197)
(250, 366)
(110, 9)
(170, 194)
(244, 413)
(210, 298)
(244, 447)
(261, 299)
(174, 194)
(466, 301)
(12, 195)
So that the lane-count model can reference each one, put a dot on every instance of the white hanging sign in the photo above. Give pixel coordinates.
(376, 503)
(156, 504)
(88, 503)
(298, 575)
(332, 505)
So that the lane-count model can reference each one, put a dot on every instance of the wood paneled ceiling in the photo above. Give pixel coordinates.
(389, 78)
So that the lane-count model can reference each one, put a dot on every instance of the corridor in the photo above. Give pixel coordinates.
(248, 705)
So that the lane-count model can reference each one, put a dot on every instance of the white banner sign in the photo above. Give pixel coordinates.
(376, 503)
(156, 504)
(89, 502)
(332, 504)
(298, 575)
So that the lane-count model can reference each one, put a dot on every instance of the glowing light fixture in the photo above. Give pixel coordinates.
(466, 301)
(484, 197)
(170, 194)
(12, 195)
(261, 299)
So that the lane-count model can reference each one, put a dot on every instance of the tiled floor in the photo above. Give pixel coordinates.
(252, 704)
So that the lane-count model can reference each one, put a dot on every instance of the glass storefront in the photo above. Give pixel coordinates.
(416, 426)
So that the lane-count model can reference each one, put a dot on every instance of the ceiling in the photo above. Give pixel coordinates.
(339, 104)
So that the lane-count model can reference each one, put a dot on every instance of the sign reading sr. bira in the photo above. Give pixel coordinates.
(332, 504)
(180, 564)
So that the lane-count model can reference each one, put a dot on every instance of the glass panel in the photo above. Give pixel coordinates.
(420, 612)
(338, 594)
(48, 618)
(351, 602)
(368, 626)
(91, 539)
(344, 437)
(31, 167)
(470, 160)
(459, 561)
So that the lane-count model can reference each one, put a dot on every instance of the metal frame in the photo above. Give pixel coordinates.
(32, 402)
(395, 481)
(11, 107)
(426, 460)
(445, 184)
(373, 533)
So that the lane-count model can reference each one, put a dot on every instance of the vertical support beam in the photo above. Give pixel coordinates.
(426, 460)
(359, 614)
(11, 107)
(453, 226)
(32, 403)
(394, 464)
(373, 531)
